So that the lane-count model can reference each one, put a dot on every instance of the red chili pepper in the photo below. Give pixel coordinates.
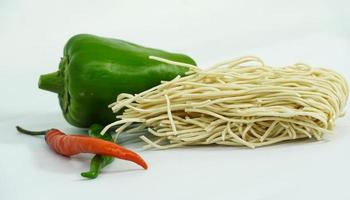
(69, 145)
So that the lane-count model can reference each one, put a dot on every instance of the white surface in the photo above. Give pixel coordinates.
(33, 33)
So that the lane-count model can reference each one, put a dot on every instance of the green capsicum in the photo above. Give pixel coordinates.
(94, 70)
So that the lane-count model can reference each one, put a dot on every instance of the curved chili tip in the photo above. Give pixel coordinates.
(134, 157)
(89, 174)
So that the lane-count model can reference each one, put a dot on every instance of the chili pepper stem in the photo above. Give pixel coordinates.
(28, 132)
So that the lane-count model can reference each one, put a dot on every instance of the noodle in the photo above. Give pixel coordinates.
(240, 102)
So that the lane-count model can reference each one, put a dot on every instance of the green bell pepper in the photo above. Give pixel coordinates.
(94, 70)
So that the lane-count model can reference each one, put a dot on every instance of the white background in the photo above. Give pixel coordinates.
(32, 36)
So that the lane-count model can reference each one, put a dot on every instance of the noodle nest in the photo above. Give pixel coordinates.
(241, 102)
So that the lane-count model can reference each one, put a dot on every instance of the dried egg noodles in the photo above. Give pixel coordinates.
(241, 102)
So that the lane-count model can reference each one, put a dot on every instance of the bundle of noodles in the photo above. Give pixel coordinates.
(240, 103)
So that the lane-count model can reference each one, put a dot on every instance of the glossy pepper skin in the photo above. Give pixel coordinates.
(98, 162)
(94, 70)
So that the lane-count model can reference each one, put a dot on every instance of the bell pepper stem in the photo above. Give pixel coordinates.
(51, 82)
